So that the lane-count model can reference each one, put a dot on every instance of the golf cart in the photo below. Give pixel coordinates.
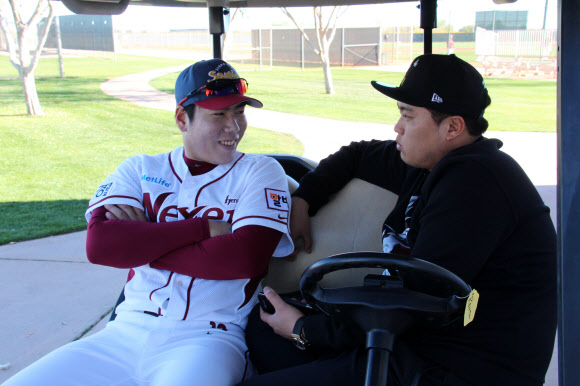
(568, 141)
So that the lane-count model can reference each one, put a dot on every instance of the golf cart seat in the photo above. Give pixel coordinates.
(351, 221)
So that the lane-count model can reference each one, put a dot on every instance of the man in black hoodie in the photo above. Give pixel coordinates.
(462, 204)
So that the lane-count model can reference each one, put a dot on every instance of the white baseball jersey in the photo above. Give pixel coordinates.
(251, 190)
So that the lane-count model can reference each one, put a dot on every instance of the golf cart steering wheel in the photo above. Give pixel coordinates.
(417, 293)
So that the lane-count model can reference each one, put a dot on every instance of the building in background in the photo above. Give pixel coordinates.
(501, 20)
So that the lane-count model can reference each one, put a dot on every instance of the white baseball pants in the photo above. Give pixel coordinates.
(140, 349)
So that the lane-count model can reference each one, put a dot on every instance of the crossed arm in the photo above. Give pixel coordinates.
(120, 236)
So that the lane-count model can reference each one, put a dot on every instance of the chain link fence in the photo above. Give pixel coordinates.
(499, 52)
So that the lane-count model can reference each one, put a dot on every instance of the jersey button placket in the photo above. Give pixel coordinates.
(178, 302)
(187, 193)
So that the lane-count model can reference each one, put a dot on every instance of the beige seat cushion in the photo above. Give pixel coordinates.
(351, 221)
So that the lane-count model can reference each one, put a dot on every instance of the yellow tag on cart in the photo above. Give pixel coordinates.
(470, 307)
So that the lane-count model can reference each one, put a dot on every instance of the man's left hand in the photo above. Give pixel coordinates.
(283, 320)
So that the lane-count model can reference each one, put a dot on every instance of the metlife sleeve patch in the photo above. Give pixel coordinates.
(277, 199)
(103, 190)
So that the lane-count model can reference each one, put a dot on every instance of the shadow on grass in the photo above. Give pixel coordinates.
(58, 90)
(27, 220)
(71, 89)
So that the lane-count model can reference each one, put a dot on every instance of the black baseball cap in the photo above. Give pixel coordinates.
(193, 82)
(443, 83)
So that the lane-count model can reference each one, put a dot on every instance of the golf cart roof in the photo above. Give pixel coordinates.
(115, 7)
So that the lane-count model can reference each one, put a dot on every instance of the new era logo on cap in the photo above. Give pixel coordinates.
(436, 98)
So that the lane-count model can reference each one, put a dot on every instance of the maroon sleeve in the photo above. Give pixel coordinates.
(129, 244)
(242, 254)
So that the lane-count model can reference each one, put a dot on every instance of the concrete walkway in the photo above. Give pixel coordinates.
(52, 295)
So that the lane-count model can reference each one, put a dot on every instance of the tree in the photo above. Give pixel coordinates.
(443, 26)
(467, 28)
(325, 32)
(19, 36)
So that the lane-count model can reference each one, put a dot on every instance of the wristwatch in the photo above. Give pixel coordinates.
(298, 335)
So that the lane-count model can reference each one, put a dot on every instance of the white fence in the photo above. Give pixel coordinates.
(539, 44)
(397, 45)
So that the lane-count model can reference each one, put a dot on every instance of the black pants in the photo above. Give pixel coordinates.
(280, 363)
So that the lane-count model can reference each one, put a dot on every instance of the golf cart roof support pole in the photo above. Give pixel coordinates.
(568, 192)
(216, 29)
(428, 22)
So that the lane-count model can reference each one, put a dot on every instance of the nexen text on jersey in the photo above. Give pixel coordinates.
(156, 180)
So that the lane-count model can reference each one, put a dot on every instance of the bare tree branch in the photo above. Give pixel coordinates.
(332, 20)
(317, 22)
(39, 12)
(10, 42)
(325, 29)
(339, 12)
(19, 36)
(323, 39)
(40, 45)
(287, 13)
(15, 14)
(333, 28)
(234, 15)
(225, 36)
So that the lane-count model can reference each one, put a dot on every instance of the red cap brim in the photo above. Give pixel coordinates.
(222, 102)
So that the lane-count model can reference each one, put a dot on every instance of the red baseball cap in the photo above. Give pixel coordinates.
(212, 84)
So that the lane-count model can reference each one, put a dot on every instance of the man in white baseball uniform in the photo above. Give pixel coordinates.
(196, 227)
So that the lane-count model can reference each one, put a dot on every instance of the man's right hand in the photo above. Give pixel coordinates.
(218, 228)
(300, 224)
(125, 212)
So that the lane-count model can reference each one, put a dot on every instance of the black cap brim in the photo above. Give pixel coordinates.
(395, 92)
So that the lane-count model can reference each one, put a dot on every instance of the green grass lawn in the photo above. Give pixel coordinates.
(51, 165)
(517, 104)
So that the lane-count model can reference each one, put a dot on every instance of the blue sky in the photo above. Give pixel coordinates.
(461, 12)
